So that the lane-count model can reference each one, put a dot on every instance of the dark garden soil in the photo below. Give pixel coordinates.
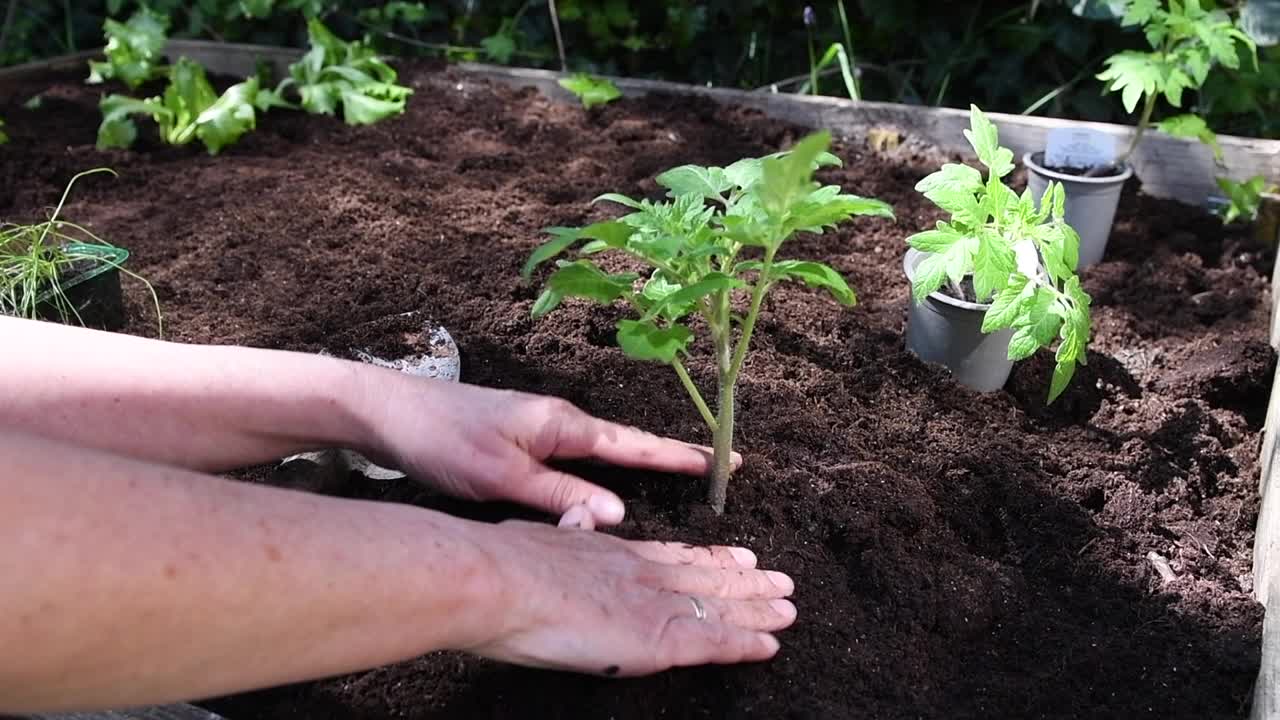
(956, 555)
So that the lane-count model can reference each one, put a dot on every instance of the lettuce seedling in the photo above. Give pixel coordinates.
(1186, 41)
(188, 110)
(1020, 259)
(590, 90)
(715, 239)
(350, 74)
(133, 49)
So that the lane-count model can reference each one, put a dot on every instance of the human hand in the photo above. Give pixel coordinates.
(485, 444)
(571, 599)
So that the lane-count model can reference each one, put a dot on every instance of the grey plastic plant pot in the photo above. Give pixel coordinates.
(948, 331)
(1091, 203)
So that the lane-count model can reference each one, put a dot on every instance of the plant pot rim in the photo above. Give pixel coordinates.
(909, 263)
(1028, 159)
(109, 259)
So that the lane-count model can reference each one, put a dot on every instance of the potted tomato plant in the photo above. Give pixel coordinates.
(996, 282)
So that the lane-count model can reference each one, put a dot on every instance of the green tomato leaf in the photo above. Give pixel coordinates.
(499, 48)
(710, 183)
(1006, 306)
(1040, 317)
(962, 204)
(1133, 74)
(813, 216)
(642, 340)
(549, 300)
(815, 275)
(788, 179)
(619, 199)
(562, 239)
(1193, 126)
(935, 241)
(585, 280)
(952, 178)
(610, 232)
(744, 173)
(1062, 374)
(1023, 344)
(687, 296)
(1140, 12)
(985, 140)
(993, 264)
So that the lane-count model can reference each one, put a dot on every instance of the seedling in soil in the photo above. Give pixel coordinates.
(37, 260)
(350, 74)
(591, 90)
(1186, 41)
(188, 110)
(999, 248)
(133, 50)
(714, 241)
(4, 137)
(1244, 199)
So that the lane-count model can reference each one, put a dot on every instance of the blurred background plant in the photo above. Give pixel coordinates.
(1036, 56)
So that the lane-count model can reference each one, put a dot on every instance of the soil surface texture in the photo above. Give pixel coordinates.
(956, 555)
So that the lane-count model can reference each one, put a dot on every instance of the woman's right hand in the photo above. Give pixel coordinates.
(569, 598)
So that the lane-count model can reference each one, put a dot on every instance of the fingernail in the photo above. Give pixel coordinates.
(573, 517)
(770, 642)
(781, 581)
(784, 608)
(606, 509)
(745, 557)
(735, 459)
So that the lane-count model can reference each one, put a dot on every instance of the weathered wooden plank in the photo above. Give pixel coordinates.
(1169, 167)
(62, 62)
(236, 59)
(165, 712)
(1266, 689)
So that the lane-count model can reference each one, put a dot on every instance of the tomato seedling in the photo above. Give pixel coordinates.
(1186, 41)
(1020, 259)
(714, 240)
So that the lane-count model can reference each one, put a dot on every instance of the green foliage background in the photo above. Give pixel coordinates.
(1000, 54)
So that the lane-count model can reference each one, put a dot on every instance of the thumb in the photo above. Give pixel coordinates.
(557, 492)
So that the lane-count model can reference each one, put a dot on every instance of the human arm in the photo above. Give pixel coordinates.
(124, 582)
(213, 408)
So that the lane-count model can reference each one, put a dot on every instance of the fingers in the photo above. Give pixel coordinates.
(578, 517)
(669, 553)
(635, 448)
(558, 493)
(687, 641)
(709, 583)
(569, 433)
(764, 615)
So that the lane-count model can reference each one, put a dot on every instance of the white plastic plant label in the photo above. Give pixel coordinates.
(1079, 148)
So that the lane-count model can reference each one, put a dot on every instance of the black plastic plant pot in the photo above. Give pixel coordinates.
(1091, 203)
(948, 331)
(90, 289)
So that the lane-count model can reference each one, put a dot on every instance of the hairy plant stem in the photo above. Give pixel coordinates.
(729, 360)
(1143, 123)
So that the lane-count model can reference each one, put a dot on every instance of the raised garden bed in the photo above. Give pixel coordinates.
(956, 555)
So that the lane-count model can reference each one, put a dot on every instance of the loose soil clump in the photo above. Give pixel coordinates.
(956, 555)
